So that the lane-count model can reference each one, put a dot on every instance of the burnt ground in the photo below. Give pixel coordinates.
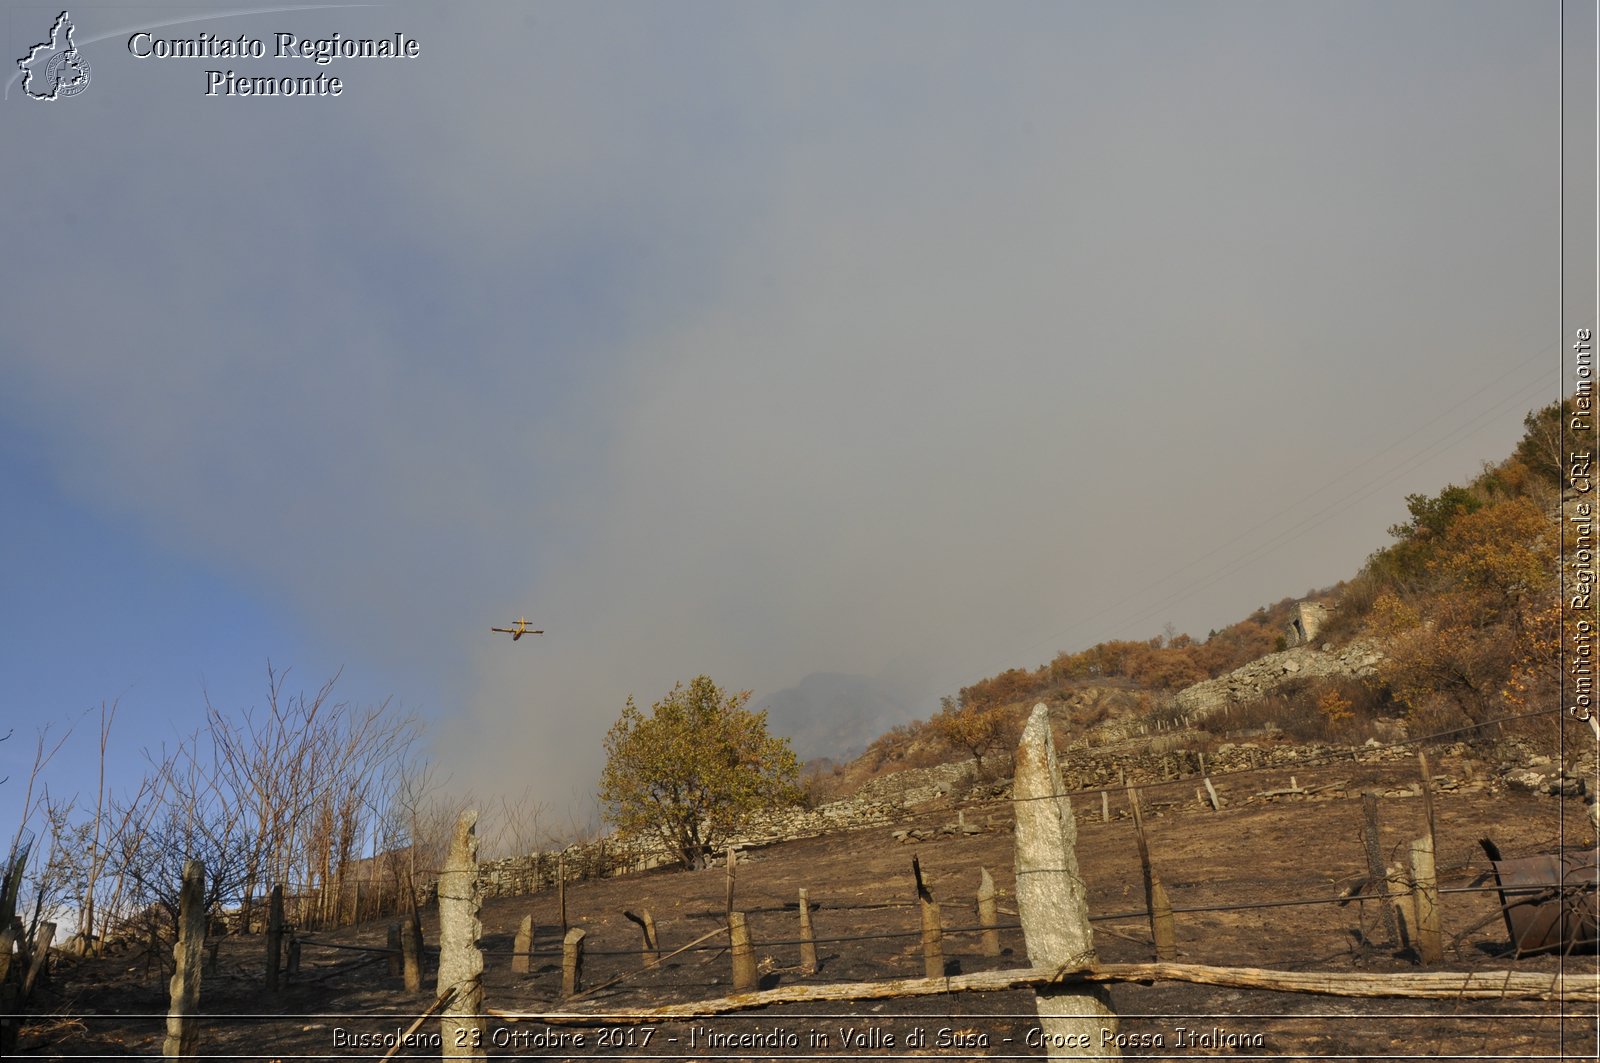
(1253, 851)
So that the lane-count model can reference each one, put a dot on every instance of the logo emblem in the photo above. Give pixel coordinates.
(55, 69)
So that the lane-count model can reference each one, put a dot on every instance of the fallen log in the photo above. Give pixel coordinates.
(1429, 985)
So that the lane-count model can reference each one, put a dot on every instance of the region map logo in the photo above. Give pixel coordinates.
(55, 69)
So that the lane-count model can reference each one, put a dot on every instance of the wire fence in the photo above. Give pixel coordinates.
(1371, 896)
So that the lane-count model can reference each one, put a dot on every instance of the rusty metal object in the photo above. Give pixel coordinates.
(1549, 902)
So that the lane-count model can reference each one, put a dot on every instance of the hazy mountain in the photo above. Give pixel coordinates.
(831, 715)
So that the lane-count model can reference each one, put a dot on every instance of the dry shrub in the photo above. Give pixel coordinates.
(1349, 615)
(1241, 716)
(1437, 715)
(1339, 710)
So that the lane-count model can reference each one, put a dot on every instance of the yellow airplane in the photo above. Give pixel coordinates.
(517, 630)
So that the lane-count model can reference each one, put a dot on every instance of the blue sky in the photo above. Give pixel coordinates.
(907, 341)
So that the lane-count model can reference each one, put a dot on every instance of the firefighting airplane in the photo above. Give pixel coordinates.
(517, 630)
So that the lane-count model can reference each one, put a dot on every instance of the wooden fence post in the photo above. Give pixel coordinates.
(652, 942)
(10, 990)
(41, 957)
(521, 949)
(1427, 800)
(808, 941)
(1052, 901)
(561, 889)
(183, 1029)
(988, 913)
(274, 937)
(932, 926)
(1425, 901)
(1105, 808)
(647, 929)
(1377, 875)
(744, 955)
(461, 1022)
(727, 904)
(1162, 929)
(572, 962)
(1155, 894)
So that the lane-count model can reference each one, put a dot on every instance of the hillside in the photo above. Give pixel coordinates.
(1452, 626)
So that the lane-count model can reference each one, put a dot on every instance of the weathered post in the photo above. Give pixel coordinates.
(808, 939)
(652, 944)
(1105, 807)
(460, 960)
(744, 954)
(183, 1029)
(1155, 894)
(1162, 929)
(10, 990)
(411, 953)
(1052, 900)
(932, 926)
(572, 962)
(561, 889)
(521, 949)
(646, 923)
(394, 950)
(1425, 901)
(41, 957)
(988, 913)
(727, 903)
(1377, 876)
(1427, 800)
(274, 937)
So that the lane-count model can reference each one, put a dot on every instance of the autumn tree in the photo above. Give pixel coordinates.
(690, 771)
(976, 728)
(1541, 448)
(1467, 637)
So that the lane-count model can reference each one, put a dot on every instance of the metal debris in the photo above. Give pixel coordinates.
(1550, 901)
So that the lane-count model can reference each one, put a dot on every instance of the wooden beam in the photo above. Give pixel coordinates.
(1422, 985)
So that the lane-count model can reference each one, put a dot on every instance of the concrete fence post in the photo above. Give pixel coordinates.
(522, 947)
(572, 962)
(1425, 901)
(988, 913)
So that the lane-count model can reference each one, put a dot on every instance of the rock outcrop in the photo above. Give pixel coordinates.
(1264, 675)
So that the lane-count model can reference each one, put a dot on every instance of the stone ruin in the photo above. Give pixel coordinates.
(1308, 619)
